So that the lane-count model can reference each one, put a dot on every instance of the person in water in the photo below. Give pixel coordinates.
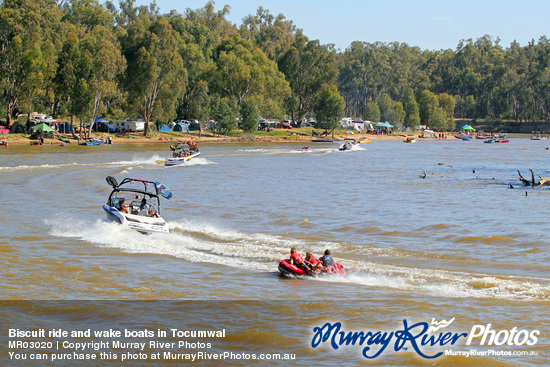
(298, 260)
(328, 262)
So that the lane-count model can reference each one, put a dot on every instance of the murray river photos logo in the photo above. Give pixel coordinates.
(419, 337)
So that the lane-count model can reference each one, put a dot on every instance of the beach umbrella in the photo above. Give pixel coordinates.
(42, 127)
(468, 127)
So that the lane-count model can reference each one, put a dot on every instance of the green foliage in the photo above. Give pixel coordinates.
(250, 116)
(329, 107)
(447, 104)
(87, 58)
(385, 106)
(372, 112)
(427, 104)
(412, 118)
(307, 65)
(225, 113)
(397, 115)
(244, 71)
(155, 74)
(273, 35)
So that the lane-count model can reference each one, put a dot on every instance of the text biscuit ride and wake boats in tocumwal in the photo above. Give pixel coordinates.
(182, 153)
(135, 203)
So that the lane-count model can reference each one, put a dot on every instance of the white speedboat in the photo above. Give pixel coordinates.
(135, 203)
(182, 152)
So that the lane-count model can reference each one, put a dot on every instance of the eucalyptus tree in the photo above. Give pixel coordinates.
(273, 34)
(447, 103)
(412, 118)
(397, 115)
(372, 112)
(73, 76)
(307, 65)
(250, 116)
(243, 71)
(224, 112)
(385, 105)
(369, 71)
(96, 61)
(329, 107)
(98, 43)
(216, 22)
(27, 39)
(155, 75)
(195, 48)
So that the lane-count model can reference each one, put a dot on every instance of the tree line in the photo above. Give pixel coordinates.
(83, 58)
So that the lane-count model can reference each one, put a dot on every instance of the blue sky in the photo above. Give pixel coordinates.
(428, 24)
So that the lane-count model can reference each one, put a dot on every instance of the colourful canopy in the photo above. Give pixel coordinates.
(42, 127)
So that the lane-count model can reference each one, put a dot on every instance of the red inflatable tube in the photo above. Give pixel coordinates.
(286, 268)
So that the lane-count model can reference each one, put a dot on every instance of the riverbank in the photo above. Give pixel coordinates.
(161, 137)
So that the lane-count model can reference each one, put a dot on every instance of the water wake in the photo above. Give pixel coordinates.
(200, 240)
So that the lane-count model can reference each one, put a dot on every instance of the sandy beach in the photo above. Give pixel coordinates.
(138, 138)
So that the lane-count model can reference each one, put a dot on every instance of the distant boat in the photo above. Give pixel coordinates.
(322, 140)
(182, 152)
(537, 136)
(409, 139)
(91, 141)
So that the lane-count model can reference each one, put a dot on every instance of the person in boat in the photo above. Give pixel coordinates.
(121, 206)
(328, 262)
(118, 206)
(153, 213)
(298, 260)
(316, 264)
(143, 205)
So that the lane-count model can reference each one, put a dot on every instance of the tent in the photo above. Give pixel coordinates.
(467, 128)
(18, 128)
(384, 124)
(180, 126)
(98, 119)
(42, 127)
(362, 124)
(165, 128)
(64, 128)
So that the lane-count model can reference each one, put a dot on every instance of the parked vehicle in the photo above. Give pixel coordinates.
(102, 127)
(129, 125)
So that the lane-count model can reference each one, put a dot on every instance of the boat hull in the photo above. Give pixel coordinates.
(181, 160)
(139, 223)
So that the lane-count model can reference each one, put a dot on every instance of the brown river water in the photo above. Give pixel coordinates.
(432, 231)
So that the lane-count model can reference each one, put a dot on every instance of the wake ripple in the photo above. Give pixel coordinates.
(197, 240)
